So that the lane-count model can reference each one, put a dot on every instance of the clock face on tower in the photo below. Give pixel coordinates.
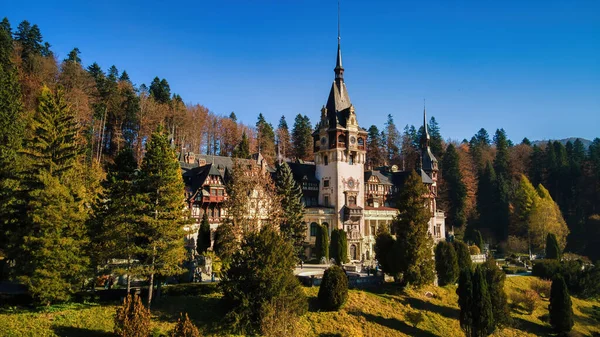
(351, 183)
(352, 140)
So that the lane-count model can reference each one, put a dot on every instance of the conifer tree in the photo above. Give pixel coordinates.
(465, 300)
(242, 150)
(114, 230)
(161, 185)
(226, 242)
(292, 227)
(561, 310)
(446, 263)
(338, 249)
(384, 243)
(203, 242)
(302, 141)
(482, 312)
(462, 255)
(266, 139)
(284, 141)
(392, 141)
(52, 232)
(322, 243)
(413, 253)
(454, 189)
(478, 240)
(495, 280)
(333, 291)
(374, 148)
(260, 280)
(552, 248)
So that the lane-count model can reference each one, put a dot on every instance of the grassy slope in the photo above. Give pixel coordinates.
(381, 313)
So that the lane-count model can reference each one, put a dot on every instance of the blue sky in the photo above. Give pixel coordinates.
(531, 67)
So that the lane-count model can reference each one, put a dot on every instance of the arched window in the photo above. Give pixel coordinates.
(352, 200)
(314, 227)
(341, 139)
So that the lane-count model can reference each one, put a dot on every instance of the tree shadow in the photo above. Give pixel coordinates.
(394, 324)
(205, 312)
(531, 327)
(419, 304)
(69, 331)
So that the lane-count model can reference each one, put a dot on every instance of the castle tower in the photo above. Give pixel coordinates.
(340, 153)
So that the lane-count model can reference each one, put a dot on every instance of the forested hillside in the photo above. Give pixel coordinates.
(512, 193)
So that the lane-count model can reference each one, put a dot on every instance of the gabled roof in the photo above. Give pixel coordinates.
(302, 171)
(383, 179)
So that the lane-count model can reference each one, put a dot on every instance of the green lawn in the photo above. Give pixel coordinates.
(380, 313)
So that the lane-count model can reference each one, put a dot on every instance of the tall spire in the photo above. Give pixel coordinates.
(339, 69)
(425, 136)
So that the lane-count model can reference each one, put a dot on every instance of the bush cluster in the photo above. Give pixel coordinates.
(527, 300)
(185, 328)
(541, 287)
(581, 279)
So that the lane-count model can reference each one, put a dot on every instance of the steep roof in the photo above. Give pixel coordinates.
(383, 179)
(338, 102)
(301, 171)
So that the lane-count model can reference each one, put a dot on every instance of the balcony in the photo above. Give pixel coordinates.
(353, 213)
(212, 198)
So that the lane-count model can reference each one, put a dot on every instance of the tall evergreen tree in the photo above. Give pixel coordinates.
(462, 255)
(338, 249)
(260, 283)
(437, 143)
(384, 243)
(465, 301)
(446, 263)
(375, 156)
(160, 90)
(161, 185)
(495, 281)
(482, 312)
(284, 141)
(203, 242)
(266, 139)
(292, 226)
(52, 231)
(415, 244)
(392, 141)
(552, 248)
(561, 309)
(322, 243)
(454, 189)
(302, 142)
(242, 150)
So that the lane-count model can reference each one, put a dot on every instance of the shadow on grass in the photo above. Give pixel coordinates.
(206, 312)
(394, 324)
(69, 331)
(428, 306)
(330, 335)
(531, 327)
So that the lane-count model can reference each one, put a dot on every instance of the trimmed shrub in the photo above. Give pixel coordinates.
(552, 249)
(546, 269)
(185, 328)
(474, 250)
(338, 247)
(462, 255)
(541, 287)
(132, 318)
(333, 291)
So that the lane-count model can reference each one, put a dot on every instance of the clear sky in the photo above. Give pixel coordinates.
(531, 67)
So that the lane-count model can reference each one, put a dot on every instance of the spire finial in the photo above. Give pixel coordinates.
(339, 69)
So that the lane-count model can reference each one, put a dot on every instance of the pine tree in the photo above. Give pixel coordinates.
(114, 229)
(446, 263)
(495, 280)
(161, 185)
(463, 255)
(454, 189)
(203, 242)
(259, 280)
(292, 227)
(302, 142)
(552, 248)
(561, 310)
(266, 139)
(284, 141)
(226, 242)
(437, 143)
(184, 328)
(392, 141)
(482, 312)
(52, 232)
(242, 150)
(374, 148)
(322, 243)
(160, 90)
(413, 240)
(478, 240)
(465, 300)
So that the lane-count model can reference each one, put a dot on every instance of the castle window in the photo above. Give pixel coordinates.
(361, 142)
(326, 200)
(326, 183)
(352, 200)
(325, 160)
(351, 160)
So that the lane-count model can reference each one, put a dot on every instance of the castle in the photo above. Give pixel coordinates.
(337, 190)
